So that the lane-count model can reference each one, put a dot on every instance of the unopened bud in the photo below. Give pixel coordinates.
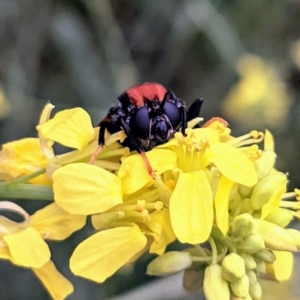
(264, 189)
(245, 191)
(193, 279)
(266, 255)
(261, 267)
(215, 287)
(242, 225)
(255, 291)
(275, 237)
(169, 263)
(253, 243)
(281, 217)
(252, 277)
(265, 164)
(250, 263)
(233, 267)
(240, 287)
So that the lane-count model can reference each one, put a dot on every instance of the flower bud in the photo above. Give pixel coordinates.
(245, 191)
(253, 243)
(255, 291)
(215, 287)
(264, 189)
(193, 279)
(242, 225)
(240, 287)
(169, 263)
(233, 267)
(275, 237)
(266, 255)
(261, 267)
(252, 277)
(281, 217)
(250, 263)
(264, 164)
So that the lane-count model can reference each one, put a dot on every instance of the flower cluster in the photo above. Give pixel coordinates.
(217, 194)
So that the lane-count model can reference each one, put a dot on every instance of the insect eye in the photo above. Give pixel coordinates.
(139, 123)
(173, 113)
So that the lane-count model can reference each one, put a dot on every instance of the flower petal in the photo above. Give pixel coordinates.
(160, 224)
(86, 189)
(101, 255)
(21, 158)
(57, 285)
(191, 208)
(54, 223)
(70, 127)
(134, 172)
(282, 267)
(232, 163)
(273, 204)
(27, 248)
(221, 203)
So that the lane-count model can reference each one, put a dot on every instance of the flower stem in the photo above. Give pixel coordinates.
(26, 191)
(213, 249)
(26, 177)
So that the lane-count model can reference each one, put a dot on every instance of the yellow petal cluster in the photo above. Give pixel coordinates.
(24, 243)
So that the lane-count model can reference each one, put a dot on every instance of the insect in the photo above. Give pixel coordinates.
(149, 114)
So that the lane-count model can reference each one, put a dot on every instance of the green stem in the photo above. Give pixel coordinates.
(26, 177)
(213, 249)
(26, 191)
(210, 258)
(201, 250)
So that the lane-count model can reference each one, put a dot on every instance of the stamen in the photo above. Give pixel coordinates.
(251, 138)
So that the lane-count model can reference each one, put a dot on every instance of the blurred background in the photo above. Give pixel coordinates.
(242, 57)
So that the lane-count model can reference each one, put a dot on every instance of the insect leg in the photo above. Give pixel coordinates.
(101, 141)
(184, 119)
(194, 109)
(137, 145)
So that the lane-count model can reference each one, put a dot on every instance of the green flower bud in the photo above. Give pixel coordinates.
(193, 279)
(246, 207)
(255, 291)
(264, 189)
(265, 164)
(265, 255)
(242, 225)
(245, 191)
(240, 287)
(250, 263)
(215, 287)
(252, 277)
(170, 263)
(295, 234)
(275, 237)
(233, 267)
(261, 267)
(253, 243)
(281, 217)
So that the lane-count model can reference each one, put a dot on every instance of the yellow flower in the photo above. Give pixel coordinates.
(23, 243)
(71, 128)
(133, 223)
(188, 161)
(259, 95)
